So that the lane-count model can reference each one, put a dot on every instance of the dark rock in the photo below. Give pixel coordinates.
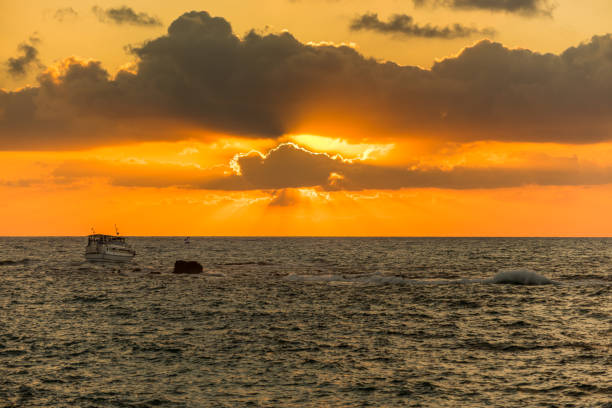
(188, 267)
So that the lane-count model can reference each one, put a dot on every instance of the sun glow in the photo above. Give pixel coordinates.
(361, 151)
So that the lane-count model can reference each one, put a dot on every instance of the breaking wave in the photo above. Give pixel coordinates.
(520, 277)
(512, 277)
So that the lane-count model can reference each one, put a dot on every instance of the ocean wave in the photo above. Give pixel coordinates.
(520, 277)
(9, 262)
(514, 277)
(88, 299)
(260, 263)
(589, 277)
(365, 279)
(214, 275)
(375, 279)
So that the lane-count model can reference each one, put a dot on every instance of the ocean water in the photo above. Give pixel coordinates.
(308, 322)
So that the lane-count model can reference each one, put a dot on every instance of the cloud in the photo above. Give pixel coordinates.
(402, 24)
(20, 182)
(525, 7)
(65, 13)
(18, 66)
(125, 15)
(201, 76)
(134, 173)
(285, 198)
(288, 167)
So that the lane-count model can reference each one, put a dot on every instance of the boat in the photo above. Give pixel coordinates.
(108, 248)
(187, 241)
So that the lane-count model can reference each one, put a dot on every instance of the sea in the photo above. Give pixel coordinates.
(308, 322)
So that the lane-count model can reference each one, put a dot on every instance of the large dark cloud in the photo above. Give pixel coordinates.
(18, 66)
(289, 166)
(201, 75)
(402, 24)
(125, 15)
(525, 7)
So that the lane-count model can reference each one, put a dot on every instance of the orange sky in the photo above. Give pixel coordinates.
(295, 129)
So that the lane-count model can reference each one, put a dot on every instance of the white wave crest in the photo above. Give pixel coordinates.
(520, 277)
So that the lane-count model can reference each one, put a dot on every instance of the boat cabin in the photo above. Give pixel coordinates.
(105, 239)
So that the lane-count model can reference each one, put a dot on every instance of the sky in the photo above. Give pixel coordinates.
(306, 117)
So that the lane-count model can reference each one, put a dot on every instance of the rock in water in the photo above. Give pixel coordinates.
(188, 267)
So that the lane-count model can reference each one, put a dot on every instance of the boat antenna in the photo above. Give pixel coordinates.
(116, 230)
(93, 231)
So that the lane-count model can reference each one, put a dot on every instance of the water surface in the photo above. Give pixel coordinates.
(307, 322)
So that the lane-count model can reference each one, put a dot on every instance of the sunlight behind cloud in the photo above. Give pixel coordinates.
(361, 151)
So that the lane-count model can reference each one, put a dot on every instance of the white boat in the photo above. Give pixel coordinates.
(108, 248)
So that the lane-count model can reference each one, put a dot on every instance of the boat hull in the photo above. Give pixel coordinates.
(106, 257)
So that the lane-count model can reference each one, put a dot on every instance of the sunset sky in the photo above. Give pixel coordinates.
(306, 117)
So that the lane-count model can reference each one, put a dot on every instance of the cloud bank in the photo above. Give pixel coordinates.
(200, 75)
(525, 7)
(125, 15)
(402, 24)
(289, 166)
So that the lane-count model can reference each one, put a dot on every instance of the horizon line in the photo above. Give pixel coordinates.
(316, 236)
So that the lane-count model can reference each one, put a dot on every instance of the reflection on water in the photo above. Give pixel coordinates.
(307, 322)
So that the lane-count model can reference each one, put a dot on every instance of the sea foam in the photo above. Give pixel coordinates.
(520, 277)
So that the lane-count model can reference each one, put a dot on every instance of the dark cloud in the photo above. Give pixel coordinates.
(402, 24)
(289, 167)
(66, 13)
(202, 76)
(125, 15)
(525, 7)
(18, 66)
